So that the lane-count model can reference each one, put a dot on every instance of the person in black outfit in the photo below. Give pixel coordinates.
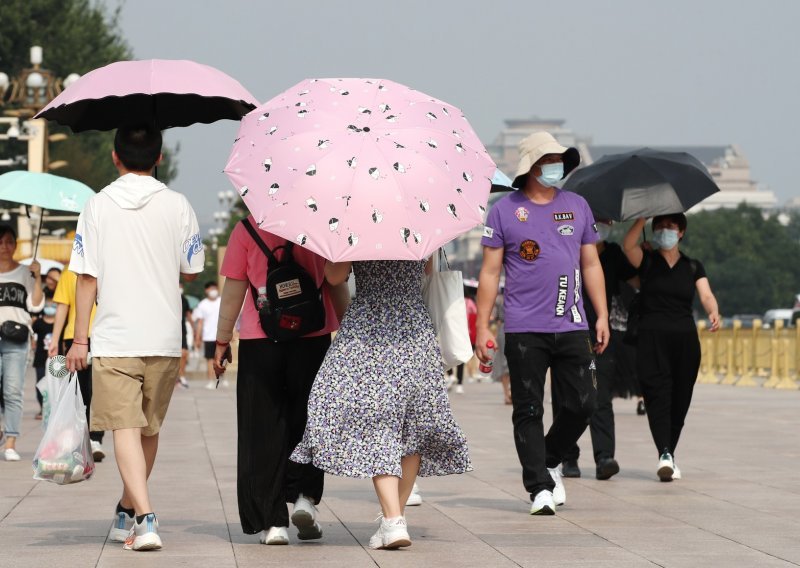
(616, 269)
(43, 331)
(668, 348)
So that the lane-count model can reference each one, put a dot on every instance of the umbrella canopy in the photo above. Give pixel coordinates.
(164, 92)
(642, 183)
(361, 169)
(54, 193)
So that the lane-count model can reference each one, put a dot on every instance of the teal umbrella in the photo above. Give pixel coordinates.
(51, 193)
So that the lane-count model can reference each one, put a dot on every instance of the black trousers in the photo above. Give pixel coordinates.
(85, 382)
(601, 425)
(272, 388)
(570, 358)
(667, 363)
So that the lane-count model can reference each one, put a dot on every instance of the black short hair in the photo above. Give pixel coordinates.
(210, 284)
(677, 218)
(54, 269)
(8, 230)
(138, 147)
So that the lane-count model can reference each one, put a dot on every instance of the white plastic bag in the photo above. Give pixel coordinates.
(443, 292)
(64, 455)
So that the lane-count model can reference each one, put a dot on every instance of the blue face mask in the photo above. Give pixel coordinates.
(665, 239)
(49, 310)
(551, 174)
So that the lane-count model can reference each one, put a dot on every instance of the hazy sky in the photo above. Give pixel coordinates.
(683, 72)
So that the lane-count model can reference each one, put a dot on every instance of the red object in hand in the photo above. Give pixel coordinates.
(485, 368)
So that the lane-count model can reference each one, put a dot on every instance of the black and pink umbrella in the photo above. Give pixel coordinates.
(163, 92)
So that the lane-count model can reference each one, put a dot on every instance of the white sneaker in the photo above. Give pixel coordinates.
(391, 534)
(304, 517)
(120, 528)
(415, 498)
(211, 385)
(11, 455)
(183, 382)
(666, 467)
(224, 383)
(676, 473)
(449, 381)
(275, 535)
(144, 536)
(543, 503)
(559, 493)
(97, 451)
(459, 389)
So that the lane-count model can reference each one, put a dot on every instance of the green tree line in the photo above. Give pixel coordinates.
(76, 36)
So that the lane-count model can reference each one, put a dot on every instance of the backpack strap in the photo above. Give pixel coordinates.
(270, 254)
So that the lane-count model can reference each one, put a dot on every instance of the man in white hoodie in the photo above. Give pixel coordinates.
(134, 239)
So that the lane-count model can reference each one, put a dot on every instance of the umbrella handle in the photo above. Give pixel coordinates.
(38, 235)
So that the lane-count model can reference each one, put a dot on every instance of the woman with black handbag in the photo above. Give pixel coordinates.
(20, 294)
(667, 345)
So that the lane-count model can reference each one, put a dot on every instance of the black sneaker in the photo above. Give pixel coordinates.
(640, 409)
(606, 468)
(569, 468)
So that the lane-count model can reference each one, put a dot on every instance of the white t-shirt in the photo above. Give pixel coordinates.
(16, 295)
(208, 311)
(136, 237)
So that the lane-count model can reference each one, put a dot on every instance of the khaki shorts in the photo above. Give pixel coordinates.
(132, 392)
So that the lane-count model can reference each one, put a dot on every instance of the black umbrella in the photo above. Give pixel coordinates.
(162, 92)
(642, 183)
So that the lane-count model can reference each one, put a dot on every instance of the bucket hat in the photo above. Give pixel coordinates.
(538, 144)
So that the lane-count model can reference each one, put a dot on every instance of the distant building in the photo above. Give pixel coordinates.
(727, 164)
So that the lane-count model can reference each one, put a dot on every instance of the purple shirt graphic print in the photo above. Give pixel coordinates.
(542, 253)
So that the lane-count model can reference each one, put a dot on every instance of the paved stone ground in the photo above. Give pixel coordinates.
(736, 506)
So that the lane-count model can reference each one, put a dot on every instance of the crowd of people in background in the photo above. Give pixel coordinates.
(372, 402)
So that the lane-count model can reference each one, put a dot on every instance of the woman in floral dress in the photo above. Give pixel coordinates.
(379, 406)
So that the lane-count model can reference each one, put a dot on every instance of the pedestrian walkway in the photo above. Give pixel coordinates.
(736, 505)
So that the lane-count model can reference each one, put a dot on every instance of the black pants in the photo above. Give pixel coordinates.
(272, 388)
(570, 358)
(667, 363)
(85, 382)
(601, 426)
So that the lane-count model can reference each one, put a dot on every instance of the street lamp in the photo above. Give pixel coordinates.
(21, 97)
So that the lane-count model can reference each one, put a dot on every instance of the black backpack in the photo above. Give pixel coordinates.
(292, 306)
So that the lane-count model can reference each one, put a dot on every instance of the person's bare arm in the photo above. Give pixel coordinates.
(233, 294)
(488, 284)
(85, 298)
(709, 302)
(337, 272)
(595, 285)
(62, 311)
(630, 244)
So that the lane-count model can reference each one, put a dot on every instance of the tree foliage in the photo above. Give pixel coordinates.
(750, 258)
(76, 36)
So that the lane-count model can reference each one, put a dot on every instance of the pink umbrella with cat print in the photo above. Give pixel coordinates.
(361, 169)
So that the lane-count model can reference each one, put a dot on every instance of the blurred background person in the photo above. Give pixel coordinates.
(616, 269)
(206, 316)
(20, 295)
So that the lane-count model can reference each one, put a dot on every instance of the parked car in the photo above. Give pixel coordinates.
(771, 316)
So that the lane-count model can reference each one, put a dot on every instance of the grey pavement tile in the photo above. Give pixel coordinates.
(736, 505)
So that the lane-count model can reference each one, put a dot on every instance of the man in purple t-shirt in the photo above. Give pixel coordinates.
(544, 239)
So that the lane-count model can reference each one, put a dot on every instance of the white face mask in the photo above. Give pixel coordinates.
(213, 294)
(665, 239)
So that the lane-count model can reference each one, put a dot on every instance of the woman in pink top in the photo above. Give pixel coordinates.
(273, 383)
